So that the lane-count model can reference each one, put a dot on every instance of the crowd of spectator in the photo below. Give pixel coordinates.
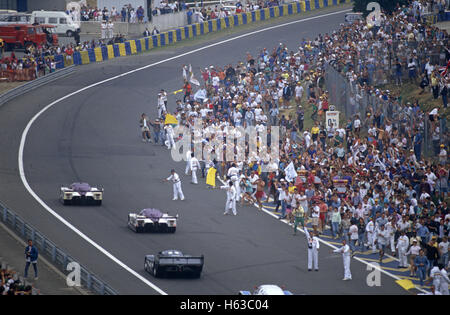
(198, 15)
(367, 181)
(10, 285)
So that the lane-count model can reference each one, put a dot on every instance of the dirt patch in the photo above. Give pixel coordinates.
(6, 86)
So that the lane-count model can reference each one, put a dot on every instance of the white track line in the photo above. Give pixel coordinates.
(30, 123)
(331, 245)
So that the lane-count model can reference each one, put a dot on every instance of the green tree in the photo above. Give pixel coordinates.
(387, 5)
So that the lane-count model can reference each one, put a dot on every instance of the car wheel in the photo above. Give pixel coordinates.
(197, 274)
(156, 272)
(69, 33)
(98, 203)
(172, 229)
(66, 202)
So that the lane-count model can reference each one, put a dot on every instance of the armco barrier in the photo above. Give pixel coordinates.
(7, 96)
(132, 47)
(47, 248)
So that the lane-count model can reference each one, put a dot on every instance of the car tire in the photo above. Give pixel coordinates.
(172, 229)
(156, 272)
(69, 33)
(66, 202)
(197, 274)
(98, 203)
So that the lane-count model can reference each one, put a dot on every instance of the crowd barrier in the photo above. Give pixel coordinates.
(132, 47)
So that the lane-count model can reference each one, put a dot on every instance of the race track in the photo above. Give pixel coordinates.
(93, 136)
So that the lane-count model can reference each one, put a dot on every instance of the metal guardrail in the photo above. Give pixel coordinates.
(24, 88)
(47, 248)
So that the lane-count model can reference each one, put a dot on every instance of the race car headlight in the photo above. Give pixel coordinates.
(97, 196)
(67, 195)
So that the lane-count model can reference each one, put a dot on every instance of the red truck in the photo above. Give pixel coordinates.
(27, 35)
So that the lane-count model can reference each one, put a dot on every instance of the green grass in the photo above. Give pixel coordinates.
(410, 92)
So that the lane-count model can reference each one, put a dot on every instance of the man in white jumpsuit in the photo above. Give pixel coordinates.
(402, 247)
(445, 281)
(435, 275)
(104, 27)
(188, 162)
(161, 105)
(175, 179)
(391, 227)
(169, 133)
(231, 198)
(370, 229)
(110, 28)
(194, 166)
(313, 250)
(233, 174)
(345, 250)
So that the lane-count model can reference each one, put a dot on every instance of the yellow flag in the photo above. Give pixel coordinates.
(211, 177)
(405, 284)
(170, 119)
(177, 91)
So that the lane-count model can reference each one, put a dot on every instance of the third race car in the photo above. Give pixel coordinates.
(175, 262)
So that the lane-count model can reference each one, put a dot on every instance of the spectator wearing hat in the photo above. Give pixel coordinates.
(413, 252)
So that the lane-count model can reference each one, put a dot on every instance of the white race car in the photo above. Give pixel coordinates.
(267, 289)
(152, 220)
(81, 194)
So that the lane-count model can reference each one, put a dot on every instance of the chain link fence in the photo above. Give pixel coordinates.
(376, 106)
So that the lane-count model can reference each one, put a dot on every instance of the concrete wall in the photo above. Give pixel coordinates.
(162, 22)
(47, 5)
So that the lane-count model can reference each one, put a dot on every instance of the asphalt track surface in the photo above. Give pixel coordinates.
(93, 136)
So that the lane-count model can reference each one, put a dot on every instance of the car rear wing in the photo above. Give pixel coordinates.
(185, 261)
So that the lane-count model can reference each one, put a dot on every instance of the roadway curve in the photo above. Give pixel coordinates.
(93, 136)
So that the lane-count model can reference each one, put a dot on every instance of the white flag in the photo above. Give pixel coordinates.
(200, 95)
(191, 77)
(291, 174)
(184, 73)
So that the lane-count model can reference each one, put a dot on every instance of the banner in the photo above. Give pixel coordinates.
(332, 117)
(200, 95)
(170, 119)
(211, 177)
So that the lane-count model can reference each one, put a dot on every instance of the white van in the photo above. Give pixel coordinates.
(61, 20)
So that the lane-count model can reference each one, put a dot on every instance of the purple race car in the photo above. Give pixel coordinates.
(81, 194)
(152, 220)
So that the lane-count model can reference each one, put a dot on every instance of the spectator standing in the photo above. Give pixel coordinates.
(31, 256)
(421, 263)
